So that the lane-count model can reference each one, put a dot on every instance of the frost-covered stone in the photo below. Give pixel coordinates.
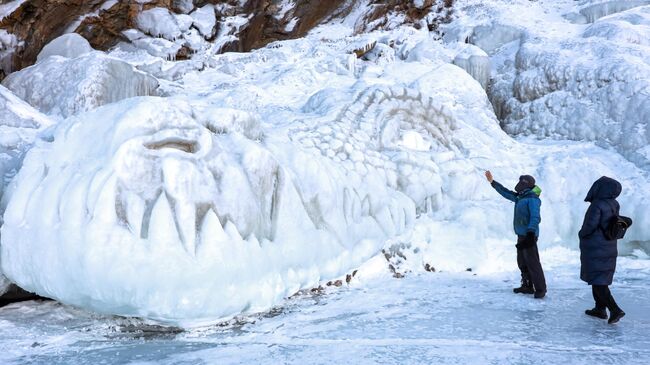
(159, 22)
(476, 62)
(63, 86)
(70, 45)
(205, 20)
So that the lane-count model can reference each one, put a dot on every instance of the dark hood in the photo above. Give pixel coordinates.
(604, 188)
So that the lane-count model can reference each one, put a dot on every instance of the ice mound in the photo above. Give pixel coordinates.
(69, 45)
(592, 10)
(476, 62)
(20, 126)
(174, 214)
(65, 86)
(595, 87)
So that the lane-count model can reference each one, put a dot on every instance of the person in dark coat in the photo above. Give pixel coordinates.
(597, 253)
(526, 224)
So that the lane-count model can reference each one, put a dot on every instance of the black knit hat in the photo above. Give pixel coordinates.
(525, 182)
(528, 180)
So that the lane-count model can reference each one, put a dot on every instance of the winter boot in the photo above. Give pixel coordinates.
(540, 294)
(615, 316)
(525, 288)
(598, 313)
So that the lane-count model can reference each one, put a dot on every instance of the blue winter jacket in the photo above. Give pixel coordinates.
(527, 208)
(597, 253)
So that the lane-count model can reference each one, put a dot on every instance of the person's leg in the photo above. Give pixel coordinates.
(596, 291)
(526, 285)
(615, 312)
(599, 310)
(531, 257)
(605, 298)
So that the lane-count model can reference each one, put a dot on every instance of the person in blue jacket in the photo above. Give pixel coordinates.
(597, 253)
(526, 224)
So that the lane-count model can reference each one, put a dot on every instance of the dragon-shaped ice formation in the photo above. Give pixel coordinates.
(214, 209)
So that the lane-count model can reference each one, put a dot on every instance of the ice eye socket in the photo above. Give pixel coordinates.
(174, 143)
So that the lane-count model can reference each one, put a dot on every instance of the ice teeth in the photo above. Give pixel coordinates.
(232, 231)
(253, 240)
(186, 221)
(347, 205)
(211, 230)
(135, 207)
(104, 210)
(385, 221)
(365, 206)
(397, 217)
(356, 208)
(162, 227)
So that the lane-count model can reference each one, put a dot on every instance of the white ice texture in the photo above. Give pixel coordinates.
(591, 87)
(70, 45)
(272, 171)
(20, 125)
(64, 86)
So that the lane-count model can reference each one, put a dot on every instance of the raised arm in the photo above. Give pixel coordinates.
(591, 222)
(506, 193)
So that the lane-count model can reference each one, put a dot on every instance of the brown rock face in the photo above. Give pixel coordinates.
(37, 22)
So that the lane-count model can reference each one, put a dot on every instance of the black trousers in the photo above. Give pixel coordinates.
(532, 273)
(604, 298)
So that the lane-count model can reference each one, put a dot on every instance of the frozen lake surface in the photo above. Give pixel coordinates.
(443, 318)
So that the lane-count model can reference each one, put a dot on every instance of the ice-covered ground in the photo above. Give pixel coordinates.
(437, 318)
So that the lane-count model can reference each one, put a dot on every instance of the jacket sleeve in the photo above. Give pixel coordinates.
(591, 222)
(508, 194)
(534, 207)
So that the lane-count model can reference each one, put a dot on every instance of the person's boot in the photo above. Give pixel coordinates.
(598, 313)
(540, 294)
(615, 316)
(525, 288)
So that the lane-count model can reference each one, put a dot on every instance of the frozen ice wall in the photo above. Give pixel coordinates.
(554, 79)
(63, 86)
(20, 126)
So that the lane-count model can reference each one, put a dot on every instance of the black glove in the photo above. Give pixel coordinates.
(527, 241)
(530, 239)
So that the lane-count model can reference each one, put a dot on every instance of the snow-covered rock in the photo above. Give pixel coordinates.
(8, 45)
(66, 86)
(204, 19)
(476, 62)
(159, 22)
(70, 45)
